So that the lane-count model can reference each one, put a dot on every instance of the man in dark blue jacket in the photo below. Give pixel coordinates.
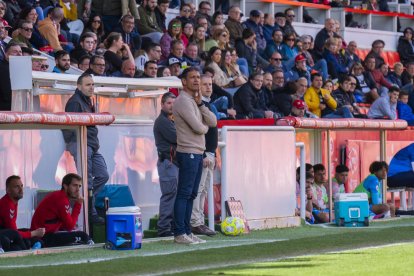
(81, 102)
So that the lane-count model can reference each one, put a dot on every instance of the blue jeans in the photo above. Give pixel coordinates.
(220, 105)
(97, 175)
(189, 174)
(342, 112)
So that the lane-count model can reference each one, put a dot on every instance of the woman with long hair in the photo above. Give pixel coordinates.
(221, 39)
(116, 51)
(188, 31)
(217, 19)
(405, 46)
(199, 37)
(231, 69)
(95, 25)
(173, 33)
(213, 61)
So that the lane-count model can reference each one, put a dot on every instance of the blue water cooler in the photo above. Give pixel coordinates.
(123, 228)
(352, 210)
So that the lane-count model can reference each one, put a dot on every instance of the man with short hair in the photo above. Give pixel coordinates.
(338, 182)
(202, 20)
(320, 198)
(192, 121)
(321, 103)
(275, 63)
(62, 60)
(9, 210)
(96, 66)
(81, 102)
(248, 102)
(350, 54)
(147, 24)
(204, 9)
(150, 69)
(161, 14)
(12, 49)
(127, 70)
(152, 52)
(327, 32)
(211, 137)
(55, 214)
(25, 31)
(233, 24)
(290, 17)
(275, 45)
(86, 46)
(372, 186)
(385, 106)
(376, 53)
(302, 85)
(177, 51)
(129, 35)
(166, 141)
(278, 79)
(49, 28)
(191, 55)
(253, 23)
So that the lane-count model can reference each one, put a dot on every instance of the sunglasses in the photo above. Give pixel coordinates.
(44, 66)
(290, 39)
(224, 35)
(176, 26)
(276, 59)
(28, 29)
(292, 15)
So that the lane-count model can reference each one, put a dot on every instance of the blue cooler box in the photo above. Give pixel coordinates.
(352, 210)
(123, 228)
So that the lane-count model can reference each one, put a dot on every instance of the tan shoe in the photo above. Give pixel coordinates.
(184, 239)
(196, 239)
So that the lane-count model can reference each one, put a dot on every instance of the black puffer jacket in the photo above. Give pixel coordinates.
(405, 50)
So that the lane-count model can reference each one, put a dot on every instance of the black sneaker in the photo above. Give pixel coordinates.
(166, 234)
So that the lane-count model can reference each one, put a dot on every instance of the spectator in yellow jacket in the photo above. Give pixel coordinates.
(321, 103)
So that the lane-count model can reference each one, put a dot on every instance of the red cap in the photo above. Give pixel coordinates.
(300, 57)
(299, 104)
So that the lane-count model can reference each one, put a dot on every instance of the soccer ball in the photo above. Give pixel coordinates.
(232, 226)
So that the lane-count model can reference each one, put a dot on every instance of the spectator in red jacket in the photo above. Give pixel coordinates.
(9, 210)
(56, 215)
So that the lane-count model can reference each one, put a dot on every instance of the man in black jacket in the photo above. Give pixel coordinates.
(248, 102)
(81, 102)
(323, 35)
(211, 137)
(160, 14)
(12, 49)
(166, 141)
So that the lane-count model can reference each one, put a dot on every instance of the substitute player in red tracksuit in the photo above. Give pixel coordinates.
(56, 215)
(8, 215)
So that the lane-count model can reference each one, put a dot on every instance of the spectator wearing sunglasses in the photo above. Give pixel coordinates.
(290, 18)
(185, 12)
(25, 31)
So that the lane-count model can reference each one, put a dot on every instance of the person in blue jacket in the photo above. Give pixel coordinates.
(401, 172)
(372, 186)
(404, 110)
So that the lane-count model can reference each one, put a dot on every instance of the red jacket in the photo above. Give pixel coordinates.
(8, 216)
(54, 213)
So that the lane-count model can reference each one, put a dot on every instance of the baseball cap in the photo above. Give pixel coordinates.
(173, 60)
(299, 104)
(300, 57)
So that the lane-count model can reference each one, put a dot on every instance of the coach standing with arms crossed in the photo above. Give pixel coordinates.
(192, 121)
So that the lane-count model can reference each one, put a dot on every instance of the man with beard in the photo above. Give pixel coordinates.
(62, 60)
(55, 214)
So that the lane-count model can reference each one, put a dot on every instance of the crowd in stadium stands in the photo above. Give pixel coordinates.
(261, 67)
(317, 191)
(254, 68)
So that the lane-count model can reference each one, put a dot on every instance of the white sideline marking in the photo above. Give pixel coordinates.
(205, 267)
(333, 226)
(213, 244)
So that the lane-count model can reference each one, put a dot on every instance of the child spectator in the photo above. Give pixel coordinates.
(404, 110)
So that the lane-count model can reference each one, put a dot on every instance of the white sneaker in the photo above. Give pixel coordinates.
(196, 239)
(184, 239)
